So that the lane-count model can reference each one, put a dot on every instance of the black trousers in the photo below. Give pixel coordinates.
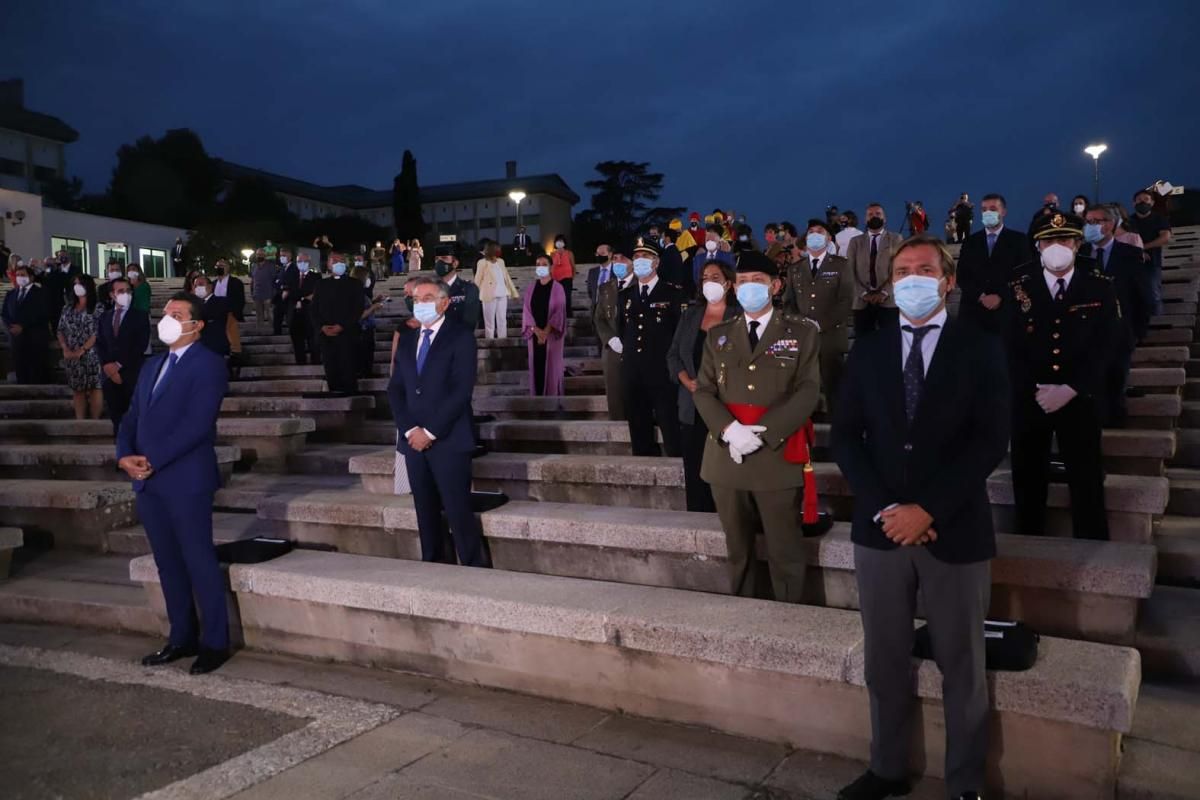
(566, 284)
(873, 318)
(1077, 428)
(31, 351)
(1116, 381)
(304, 340)
(697, 491)
(366, 352)
(278, 312)
(338, 354)
(441, 482)
(118, 396)
(650, 399)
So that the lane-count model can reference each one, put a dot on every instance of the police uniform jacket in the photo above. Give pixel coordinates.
(465, 308)
(827, 298)
(781, 373)
(648, 326)
(1061, 341)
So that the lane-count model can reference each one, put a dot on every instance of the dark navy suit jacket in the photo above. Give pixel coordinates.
(128, 347)
(177, 431)
(439, 399)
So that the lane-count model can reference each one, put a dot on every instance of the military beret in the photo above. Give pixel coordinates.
(756, 261)
(1059, 225)
(644, 245)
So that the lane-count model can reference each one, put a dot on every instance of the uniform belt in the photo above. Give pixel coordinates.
(797, 450)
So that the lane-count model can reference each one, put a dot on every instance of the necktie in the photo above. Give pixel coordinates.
(1100, 258)
(603, 276)
(423, 350)
(816, 264)
(116, 321)
(753, 334)
(874, 255)
(1061, 291)
(645, 292)
(163, 376)
(991, 243)
(914, 369)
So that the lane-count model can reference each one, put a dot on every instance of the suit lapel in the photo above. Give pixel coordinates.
(938, 372)
(893, 374)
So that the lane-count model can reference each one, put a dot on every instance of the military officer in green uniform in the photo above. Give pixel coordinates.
(648, 312)
(604, 320)
(758, 385)
(820, 286)
(1060, 342)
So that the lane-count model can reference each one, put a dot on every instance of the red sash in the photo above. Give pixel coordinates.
(796, 450)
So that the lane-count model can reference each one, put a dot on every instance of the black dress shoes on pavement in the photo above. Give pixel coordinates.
(208, 661)
(870, 786)
(168, 654)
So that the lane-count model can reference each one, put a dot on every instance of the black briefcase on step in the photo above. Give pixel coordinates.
(252, 551)
(486, 501)
(1008, 646)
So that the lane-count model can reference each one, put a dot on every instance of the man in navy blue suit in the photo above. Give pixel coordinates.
(430, 395)
(121, 340)
(165, 445)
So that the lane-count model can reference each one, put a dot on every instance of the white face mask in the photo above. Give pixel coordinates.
(169, 330)
(22, 281)
(1057, 257)
(113, 274)
(1079, 208)
(133, 273)
(713, 292)
(559, 245)
(302, 266)
(123, 300)
(284, 260)
(710, 246)
(200, 291)
(79, 289)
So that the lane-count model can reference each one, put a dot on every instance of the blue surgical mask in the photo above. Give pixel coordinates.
(339, 269)
(1092, 232)
(918, 295)
(643, 267)
(753, 297)
(816, 241)
(542, 272)
(990, 218)
(426, 313)
(302, 266)
(620, 269)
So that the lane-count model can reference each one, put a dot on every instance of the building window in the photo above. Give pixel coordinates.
(154, 262)
(509, 222)
(531, 219)
(44, 173)
(112, 251)
(78, 248)
(10, 167)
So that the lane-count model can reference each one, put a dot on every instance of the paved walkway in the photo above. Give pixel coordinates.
(278, 728)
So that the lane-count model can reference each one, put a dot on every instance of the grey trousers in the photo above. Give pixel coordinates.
(955, 601)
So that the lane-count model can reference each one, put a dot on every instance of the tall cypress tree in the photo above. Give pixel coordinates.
(406, 201)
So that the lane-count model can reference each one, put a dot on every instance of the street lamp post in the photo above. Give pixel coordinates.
(517, 196)
(1095, 151)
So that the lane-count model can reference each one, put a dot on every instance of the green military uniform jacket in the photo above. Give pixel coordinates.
(826, 298)
(604, 315)
(781, 373)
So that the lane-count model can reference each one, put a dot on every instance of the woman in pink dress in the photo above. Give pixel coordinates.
(543, 324)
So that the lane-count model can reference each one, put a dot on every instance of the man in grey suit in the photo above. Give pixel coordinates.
(870, 257)
(922, 420)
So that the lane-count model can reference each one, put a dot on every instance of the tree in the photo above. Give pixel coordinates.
(167, 181)
(249, 214)
(622, 203)
(347, 232)
(64, 194)
(406, 201)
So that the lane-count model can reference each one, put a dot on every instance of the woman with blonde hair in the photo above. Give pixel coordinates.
(415, 254)
(496, 288)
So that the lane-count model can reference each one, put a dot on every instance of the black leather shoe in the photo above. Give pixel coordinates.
(970, 796)
(208, 661)
(168, 654)
(870, 786)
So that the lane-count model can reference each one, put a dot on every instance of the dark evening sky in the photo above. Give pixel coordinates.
(773, 109)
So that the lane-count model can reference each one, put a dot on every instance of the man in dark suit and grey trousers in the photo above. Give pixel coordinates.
(433, 378)
(986, 265)
(921, 422)
(122, 336)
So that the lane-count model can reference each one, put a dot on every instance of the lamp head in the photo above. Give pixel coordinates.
(516, 196)
(1095, 150)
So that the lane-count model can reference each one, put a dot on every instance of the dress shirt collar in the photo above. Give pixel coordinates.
(179, 353)
(1052, 280)
(652, 283)
(938, 319)
(762, 321)
(996, 233)
(450, 279)
(815, 261)
(435, 327)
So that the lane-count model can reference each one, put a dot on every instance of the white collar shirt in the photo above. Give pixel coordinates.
(928, 344)
(1052, 280)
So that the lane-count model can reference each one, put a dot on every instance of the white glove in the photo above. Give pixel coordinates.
(1053, 396)
(742, 439)
(615, 345)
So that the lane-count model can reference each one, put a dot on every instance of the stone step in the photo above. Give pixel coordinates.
(1166, 336)
(659, 652)
(81, 462)
(1178, 541)
(1153, 771)
(326, 412)
(1185, 491)
(1187, 321)
(227, 527)
(1169, 633)
(71, 514)
(1187, 448)
(1192, 366)
(77, 590)
(1080, 589)
(1186, 291)
(1161, 355)
(1154, 379)
(264, 442)
(246, 492)
(1191, 389)
(329, 459)
(41, 391)
(1132, 501)
(279, 386)
(1177, 306)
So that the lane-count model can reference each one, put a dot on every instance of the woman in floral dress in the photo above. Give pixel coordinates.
(77, 337)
